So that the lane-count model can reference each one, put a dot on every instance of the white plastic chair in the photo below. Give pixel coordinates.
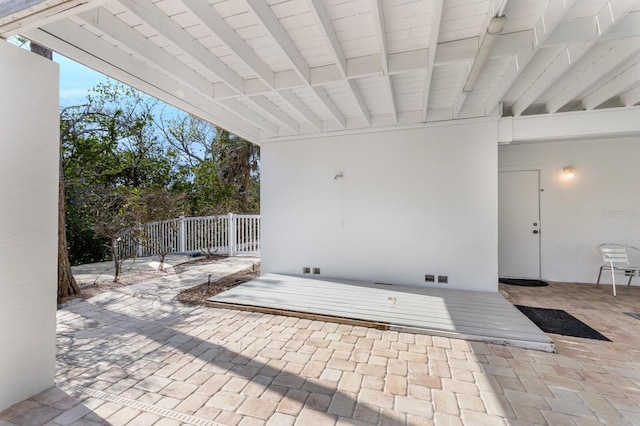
(616, 259)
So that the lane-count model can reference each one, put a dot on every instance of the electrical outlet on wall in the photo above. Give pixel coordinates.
(306, 270)
(430, 278)
(443, 279)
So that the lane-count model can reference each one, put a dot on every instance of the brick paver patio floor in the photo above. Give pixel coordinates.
(127, 359)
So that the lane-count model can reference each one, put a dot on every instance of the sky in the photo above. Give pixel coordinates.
(75, 80)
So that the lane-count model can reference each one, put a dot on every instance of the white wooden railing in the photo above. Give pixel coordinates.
(230, 234)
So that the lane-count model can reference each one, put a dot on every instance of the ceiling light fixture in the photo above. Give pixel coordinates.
(496, 25)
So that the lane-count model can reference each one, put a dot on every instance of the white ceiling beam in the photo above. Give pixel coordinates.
(364, 66)
(544, 26)
(622, 83)
(331, 106)
(570, 86)
(456, 51)
(518, 43)
(323, 19)
(433, 53)
(271, 23)
(460, 99)
(251, 116)
(554, 71)
(207, 14)
(115, 28)
(210, 17)
(510, 74)
(263, 12)
(574, 31)
(15, 7)
(35, 17)
(170, 29)
(114, 63)
(302, 108)
(588, 28)
(631, 97)
(578, 125)
(276, 113)
(381, 34)
(628, 27)
(607, 18)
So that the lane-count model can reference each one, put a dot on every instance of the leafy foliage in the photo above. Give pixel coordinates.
(129, 151)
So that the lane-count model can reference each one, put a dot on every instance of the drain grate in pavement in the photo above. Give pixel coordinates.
(164, 412)
(633, 314)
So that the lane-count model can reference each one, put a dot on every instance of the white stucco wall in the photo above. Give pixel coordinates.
(411, 202)
(29, 132)
(600, 204)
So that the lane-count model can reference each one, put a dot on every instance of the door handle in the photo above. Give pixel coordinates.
(535, 231)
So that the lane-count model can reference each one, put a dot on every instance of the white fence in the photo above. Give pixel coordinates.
(230, 234)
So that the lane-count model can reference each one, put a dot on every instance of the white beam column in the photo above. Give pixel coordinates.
(381, 34)
(608, 122)
(433, 52)
(29, 156)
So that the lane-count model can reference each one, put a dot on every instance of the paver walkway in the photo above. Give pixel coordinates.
(124, 359)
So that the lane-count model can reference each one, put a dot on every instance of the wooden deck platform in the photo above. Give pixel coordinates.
(470, 315)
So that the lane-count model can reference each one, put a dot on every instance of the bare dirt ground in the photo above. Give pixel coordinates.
(194, 296)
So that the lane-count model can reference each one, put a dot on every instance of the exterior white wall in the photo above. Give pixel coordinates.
(29, 133)
(411, 202)
(600, 204)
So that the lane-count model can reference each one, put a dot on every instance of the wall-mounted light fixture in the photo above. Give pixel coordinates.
(568, 171)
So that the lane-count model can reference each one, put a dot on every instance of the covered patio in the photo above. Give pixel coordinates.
(383, 127)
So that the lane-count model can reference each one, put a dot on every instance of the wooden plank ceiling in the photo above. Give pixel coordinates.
(272, 68)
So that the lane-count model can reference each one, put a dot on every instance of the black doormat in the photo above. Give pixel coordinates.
(523, 282)
(559, 322)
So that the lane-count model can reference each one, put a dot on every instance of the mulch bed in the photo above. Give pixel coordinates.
(197, 296)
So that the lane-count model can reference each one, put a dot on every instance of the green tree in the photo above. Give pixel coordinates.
(225, 169)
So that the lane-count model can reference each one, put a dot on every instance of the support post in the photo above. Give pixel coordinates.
(231, 235)
(29, 172)
(182, 246)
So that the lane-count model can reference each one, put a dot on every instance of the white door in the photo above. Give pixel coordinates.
(519, 224)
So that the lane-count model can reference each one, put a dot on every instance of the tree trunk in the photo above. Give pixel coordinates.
(67, 285)
(117, 263)
(41, 50)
